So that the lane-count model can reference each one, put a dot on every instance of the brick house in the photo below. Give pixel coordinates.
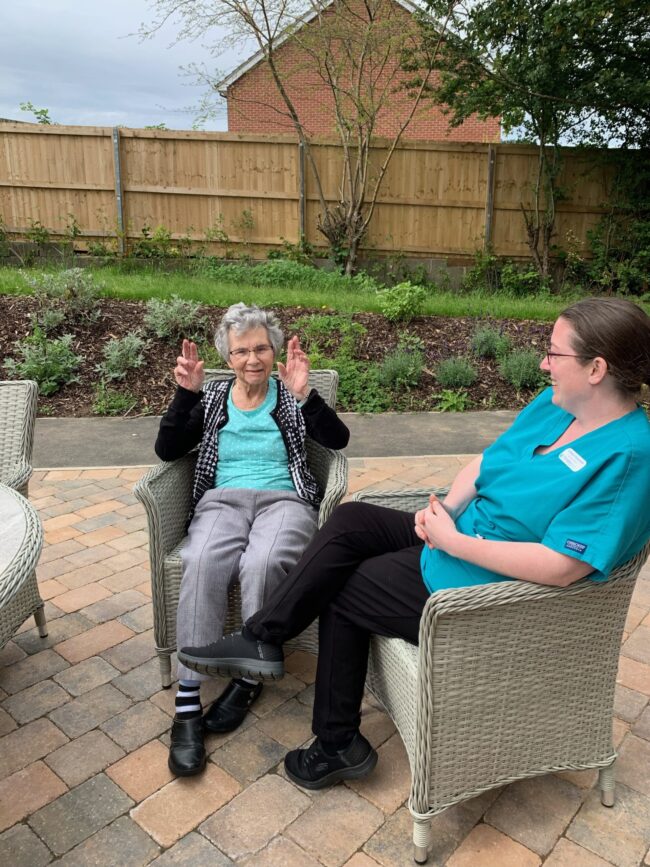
(255, 105)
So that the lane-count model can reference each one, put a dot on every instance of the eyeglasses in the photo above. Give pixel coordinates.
(550, 355)
(262, 349)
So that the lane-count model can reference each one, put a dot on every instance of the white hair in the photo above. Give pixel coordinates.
(241, 318)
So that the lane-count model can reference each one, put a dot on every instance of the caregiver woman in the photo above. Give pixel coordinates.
(563, 494)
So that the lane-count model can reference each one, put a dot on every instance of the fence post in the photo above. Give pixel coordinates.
(489, 198)
(301, 193)
(119, 202)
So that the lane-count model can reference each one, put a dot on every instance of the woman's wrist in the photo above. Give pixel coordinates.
(452, 511)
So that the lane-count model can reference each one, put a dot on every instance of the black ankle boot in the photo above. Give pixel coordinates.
(186, 752)
(228, 711)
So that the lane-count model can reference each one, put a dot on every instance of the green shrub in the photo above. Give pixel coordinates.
(5, 248)
(48, 319)
(109, 401)
(302, 252)
(455, 372)
(410, 342)
(521, 369)
(324, 335)
(100, 249)
(175, 318)
(122, 354)
(401, 368)
(487, 342)
(283, 273)
(74, 291)
(485, 275)
(519, 282)
(360, 388)
(401, 302)
(154, 245)
(453, 400)
(52, 363)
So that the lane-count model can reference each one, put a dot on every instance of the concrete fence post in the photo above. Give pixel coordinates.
(119, 199)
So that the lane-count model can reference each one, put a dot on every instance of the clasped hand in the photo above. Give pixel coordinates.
(434, 525)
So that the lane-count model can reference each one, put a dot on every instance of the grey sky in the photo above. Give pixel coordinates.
(75, 58)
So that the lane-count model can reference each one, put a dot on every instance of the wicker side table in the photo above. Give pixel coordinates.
(21, 540)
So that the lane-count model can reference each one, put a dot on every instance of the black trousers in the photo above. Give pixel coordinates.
(359, 575)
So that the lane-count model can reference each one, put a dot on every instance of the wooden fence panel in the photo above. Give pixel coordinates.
(434, 201)
(48, 173)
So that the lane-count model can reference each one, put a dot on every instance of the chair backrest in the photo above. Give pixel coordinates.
(324, 381)
(18, 402)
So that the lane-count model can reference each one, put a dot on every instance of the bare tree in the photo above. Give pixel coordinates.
(353, 48)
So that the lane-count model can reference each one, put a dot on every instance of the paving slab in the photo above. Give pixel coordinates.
(243, 810)
(79, 814)
(102, 442)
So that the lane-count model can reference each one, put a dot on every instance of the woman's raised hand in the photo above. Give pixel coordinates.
(189, 370)
(295, 373)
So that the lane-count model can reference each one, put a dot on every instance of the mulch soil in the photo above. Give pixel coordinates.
(152, 385)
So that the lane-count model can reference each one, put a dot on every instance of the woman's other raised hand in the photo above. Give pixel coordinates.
(189, 370)
(295, 373)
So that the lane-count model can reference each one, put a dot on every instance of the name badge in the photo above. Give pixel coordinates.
(573, 460)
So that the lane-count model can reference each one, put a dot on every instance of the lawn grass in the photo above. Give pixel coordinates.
(345, 298)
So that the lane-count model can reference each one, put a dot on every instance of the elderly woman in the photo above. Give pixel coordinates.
(255, 501)
(563, 494)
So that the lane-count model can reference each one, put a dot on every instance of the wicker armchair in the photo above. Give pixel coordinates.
(17, 417)
(510, 680)
(165, 491)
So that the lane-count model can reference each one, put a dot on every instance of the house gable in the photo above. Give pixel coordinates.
(256, 106)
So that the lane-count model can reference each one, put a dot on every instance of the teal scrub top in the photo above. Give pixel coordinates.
(589, 500)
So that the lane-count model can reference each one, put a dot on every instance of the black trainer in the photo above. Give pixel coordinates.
(236, 656)
(228, 711)
(313, 768)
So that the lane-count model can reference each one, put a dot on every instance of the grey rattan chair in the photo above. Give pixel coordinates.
(510, 680)
(19, 596)
(165, 491)
(17, 417)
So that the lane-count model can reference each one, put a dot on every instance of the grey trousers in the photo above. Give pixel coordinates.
(236, 534)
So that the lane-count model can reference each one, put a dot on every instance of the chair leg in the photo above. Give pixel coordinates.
(607, 786)
(165, 661)
(421, 840)
(41, 622)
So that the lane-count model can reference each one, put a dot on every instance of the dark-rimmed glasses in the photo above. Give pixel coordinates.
(550, 355)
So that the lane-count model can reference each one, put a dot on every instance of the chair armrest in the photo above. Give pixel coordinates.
(330, 468)
(406, 500)
(165, 491)
(16, 475)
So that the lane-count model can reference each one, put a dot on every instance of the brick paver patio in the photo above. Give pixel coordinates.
(84, 732)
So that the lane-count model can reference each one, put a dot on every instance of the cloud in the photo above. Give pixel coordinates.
(77, 59)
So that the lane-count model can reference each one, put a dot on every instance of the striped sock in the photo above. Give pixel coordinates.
(188, 699)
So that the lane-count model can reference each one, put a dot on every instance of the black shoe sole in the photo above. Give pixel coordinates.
(353, 773)
(186, 772)
(233, 667)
